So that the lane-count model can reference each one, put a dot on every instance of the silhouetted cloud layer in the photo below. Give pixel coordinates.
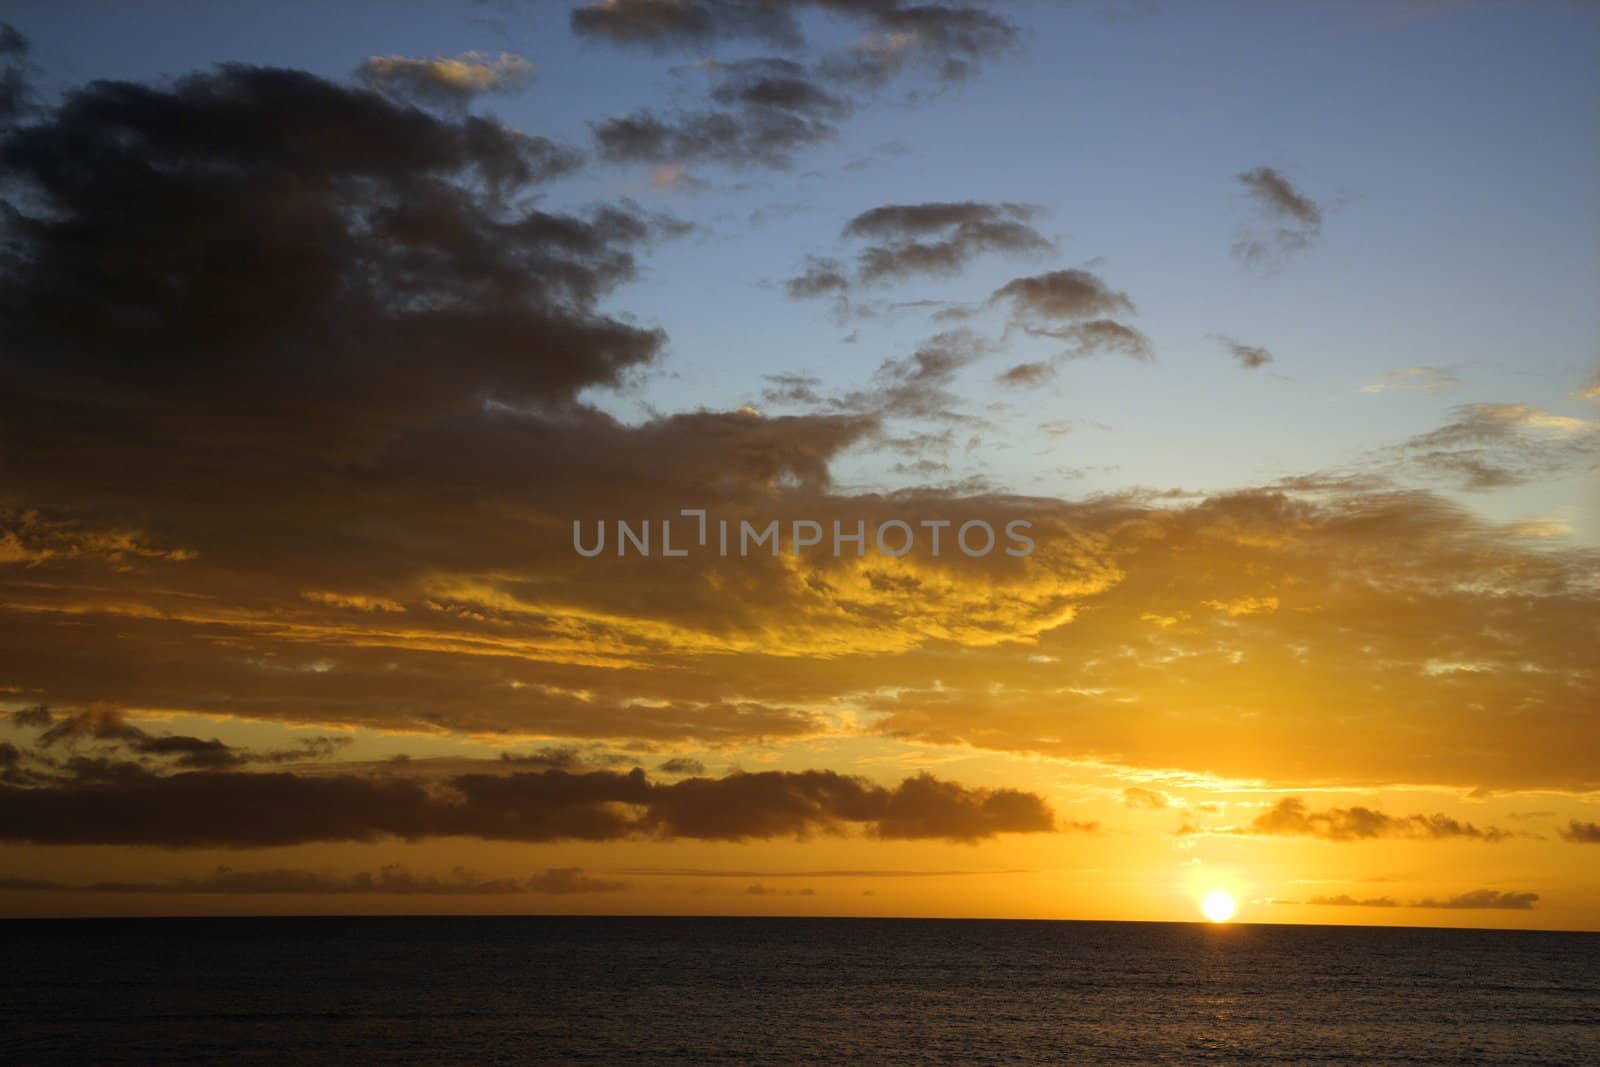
(244, 810)
(1476, 900)
(1291, 817)
(393, 879)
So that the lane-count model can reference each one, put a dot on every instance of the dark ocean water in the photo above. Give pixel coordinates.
(534, 990)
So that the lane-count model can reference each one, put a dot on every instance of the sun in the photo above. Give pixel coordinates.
(1218, 906)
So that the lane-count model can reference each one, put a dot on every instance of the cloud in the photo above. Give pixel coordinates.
(1344, 900)
(1589, 390)
(822, 277)
(245, 810)
(663, 24)
(565, 880)
(939, 238)
(1483, 899)
(1291, 817)
(1493, 446)
(355, 601)
(123, 751)
(935, 239)
(1249, 605)
(1046, 305)
(1250, 357)
(703, 872)
(1414, 380)
(400, 248)
(683, 765)
(1291, 221)
(1478, 899)
(450, 82)
(1085, 339)
(1581, 833)
(36, 716)
(946, 41)
(917, 386)
(14, 89)
(1026, 375)
(392, 879)
(1147, 799)
(768, 108)
(1061, 294)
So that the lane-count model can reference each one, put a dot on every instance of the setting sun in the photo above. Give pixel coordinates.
(1218, 906)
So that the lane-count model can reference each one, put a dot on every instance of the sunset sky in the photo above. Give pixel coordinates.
(1278, 322)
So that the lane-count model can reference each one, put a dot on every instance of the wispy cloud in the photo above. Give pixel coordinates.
(1290, 222)
(1414, 380)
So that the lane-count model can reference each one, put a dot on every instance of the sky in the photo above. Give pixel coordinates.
(330, 337)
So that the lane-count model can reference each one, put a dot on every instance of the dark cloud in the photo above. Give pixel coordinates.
(939, 238)
(243, 810)
(1026, 375)
(371, 269)
(1581, 833)
(792, 389)
(1292, 221)
(37, 716)
(948, 42)
(918, 386)
(1085, 339)
(703, 872)
(566, 880)
(123, 751)
(1478, 899)
(446, 81)
(392, 879)
(768, 109)
(1046, 305)
(30, 884)
(1494, 446)
(664, 24)
(1250, 357)
(1291, 817)
(14, 89)
(683, 765)
(945, 41)
(932, 239)
(1345, 900)
(1062, 294)
(822, 277)
(1483, 899)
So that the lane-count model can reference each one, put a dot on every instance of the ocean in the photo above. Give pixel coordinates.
(787, 991)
